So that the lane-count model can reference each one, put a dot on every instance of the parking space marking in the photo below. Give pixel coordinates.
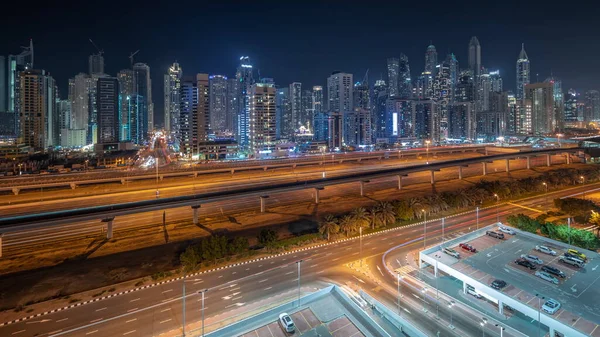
(578, 318)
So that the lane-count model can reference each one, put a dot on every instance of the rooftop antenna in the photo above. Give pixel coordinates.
(100, 51)
(366, 78)
(131, 57)
(27, 51)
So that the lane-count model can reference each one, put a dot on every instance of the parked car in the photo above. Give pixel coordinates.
(472, 291)
(507, 230)
(575, 262)
(573, 256)
(546, 277)
(468, 247)
(495, 234)
(287, 323)
(553, 271)
(451, 252)
(498, 284)
(545, 250)
(577, 253)
(532, 258)
(526, 264)
(551, 306)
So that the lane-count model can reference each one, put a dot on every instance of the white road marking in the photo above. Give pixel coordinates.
(359, 280)
(166, 291)
(91, 332)
(165, 321)
(96, 320)
(260, 265)
(167, 309)
(101, 309)
(319, 272)
(235, 272)
(229, 286)
(234, 289)
(247, 269)
(289, 273)
(18, 332)
(337, 258)
(62, 320)
(268, 288)
(313, 265)
(131, 320)
(198, 282)
(127, 333)
(356, 253)
(265, 280)
(134, 309)
(54, 332)
(137, 299)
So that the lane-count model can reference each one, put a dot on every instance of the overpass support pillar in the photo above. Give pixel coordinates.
(399, 182)
(484, 168)
(551, 332)
(73, 185)
(263, 199)
(264, 168)
(362, 187)
(317, 189)
(460, 172)
(568, 158)
(123, 181)
(464, 287)
(507, 165)
(528, 162)
(161, 177)
(432, 177)
(195, 209)
(195, 174)
(16, 190)
(109, 227)
(232, 171)
(500, 307)
(1, 244)
(548, 160)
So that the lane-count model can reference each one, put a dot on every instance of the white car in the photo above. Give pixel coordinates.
(472, 291)
(551, 306)
(546, 277)
(287, 323)
(506, 230)
(545, 250)
(532, 258)
(451, 252)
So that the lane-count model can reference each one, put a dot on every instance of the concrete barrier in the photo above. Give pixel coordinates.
(399, 322)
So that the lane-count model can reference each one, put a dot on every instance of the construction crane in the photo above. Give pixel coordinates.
(100, 51)
(366, 78)
(131, 57)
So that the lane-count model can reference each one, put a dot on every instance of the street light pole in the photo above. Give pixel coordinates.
(540, 298)
(298, 263)
(427, 143)
(360, 244)
(202, 292)
(477, 215)
(450, 305)
(443, 237)
(399, 312)
(546, 194)
(497, 204)
(424, 229)
(582, 183)
(424, 290)
(501, 329)
(183, 299)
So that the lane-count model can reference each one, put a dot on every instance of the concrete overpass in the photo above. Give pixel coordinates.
(74, 180)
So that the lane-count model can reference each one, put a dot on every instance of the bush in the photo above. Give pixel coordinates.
(160, 275)
(190, 259)
(267, 237)
(523, 222)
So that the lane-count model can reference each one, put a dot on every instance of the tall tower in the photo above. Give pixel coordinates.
(218, 103)
(79, 96)
(262, 133)
(559, 104)
(496, 81)
(142, 87)
(431, 59)
(522, 73)
(592, 104)
(543, 119)
(108, 110)
(340, 99)
(193, 113)
(404, 79)
(296, 106)
(128, 99)
(453, 69)
(37, 107)
(172, 83)
(475, 56)
(96, 64)
(393, 68)
(245, 80)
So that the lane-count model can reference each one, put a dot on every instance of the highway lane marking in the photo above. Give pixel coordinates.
(525, 207)
(265, 280)
(235, 272)
(134, 309)
(166, 291)
(229, 286)
(167, 309)
(220, 276)
(91, 332)
(101, 309)
(247, 269)
(337, 258)
(62, 320)
(131, 320)
(237, 298)
(234, 289)
(96, 320)
(198, 282)
(18, 332)
(289, 273)
(136, 299)
(313, 265)
(260, 265)
(54, 332)
(356, 253)
(268, 288)
(127, 333)
(165, 321)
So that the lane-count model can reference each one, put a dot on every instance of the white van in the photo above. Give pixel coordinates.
(287, 323)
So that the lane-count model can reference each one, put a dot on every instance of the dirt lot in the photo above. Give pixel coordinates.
(69, 267)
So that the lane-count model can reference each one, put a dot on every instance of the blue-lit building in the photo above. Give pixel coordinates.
(245, 79)
(399, 119)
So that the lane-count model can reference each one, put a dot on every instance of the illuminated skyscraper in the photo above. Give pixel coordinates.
(262, 133)
(475, 56)
(522, 73)
(592, 105)
(393, 68)
(108, 110)
(317, 99)
(541, 96)
(233, 105)
(142, 86)
(465, 88)
(296, 106)
(361, 95)
(283, 107)
(495, 81)
(96, 64)
(442, 90)
(37, 109)
(306, 111)
(193, 113)
(320, 116)
(340, 99)
(172, 83)
(452, 64)
(129, 107)
(218, 103)
(559, 104)
(79, 96)
(378, 109)
(399, 119)
(431, 59)
(245, 79)
(571, 99)
(404, 79)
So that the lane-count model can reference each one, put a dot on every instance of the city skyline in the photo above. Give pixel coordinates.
(311, 64)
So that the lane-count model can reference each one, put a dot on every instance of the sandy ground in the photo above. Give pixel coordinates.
(68, 267)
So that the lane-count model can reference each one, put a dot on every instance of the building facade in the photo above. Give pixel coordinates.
(108, 110)
(142, 86)
(541, 96)
(262, 117)
(172, 84)
(218, 103)
(522, 73)
(393, 72)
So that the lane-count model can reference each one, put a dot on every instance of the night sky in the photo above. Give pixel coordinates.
(305, 41)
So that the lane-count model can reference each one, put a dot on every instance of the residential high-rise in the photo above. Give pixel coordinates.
(511, 123)
(245, 79)
(425, 114)
(559, 104)
(452, 64)
(172, 83)
(320, 116)
(571, 98)
(424, 86)
(483, 89)
(358, 127)
(218, 103)
(592, 105)
(79, 96)
(193, 113)
(465, 88)
(378, 109)
(461, 120)
(404, 79)
(442, 89)
(317, 99)
(431, 59)
(335, 130)
(108, 110)
(524, 117)
(306, 110)
(361, 96)
(296, 107)
(233, 105)
(64, 111)
(495, 81)
(399, 119)
(393, 68)
(340, 99)
(475, 56)
(522, 73)
(37, 104)
(142, 86)
(96, 64)
(262, 117)
(283, 113)
(542, 107)
(129, 108)
(491, 123)
(136, 129)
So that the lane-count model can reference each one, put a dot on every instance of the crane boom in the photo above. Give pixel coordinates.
(100, 51)
(132, 55)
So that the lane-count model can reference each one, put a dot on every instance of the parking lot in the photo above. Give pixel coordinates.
(577, 292)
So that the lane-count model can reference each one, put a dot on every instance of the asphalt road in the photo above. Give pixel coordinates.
(230, 207)
(241, 285)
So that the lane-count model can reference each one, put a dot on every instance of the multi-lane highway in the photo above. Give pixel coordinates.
(156, 310)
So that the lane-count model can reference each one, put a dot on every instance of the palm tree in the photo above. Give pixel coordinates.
(385, 213)
(329, 226)
(347, 224)
(360, 216)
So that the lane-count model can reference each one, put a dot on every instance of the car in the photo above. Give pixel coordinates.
(578, 254)
(287, 323)
(451, 252)
(468, 247)
(526, 264)
(545, 250)
(551, 306)
(507, 230)
(498, 284)
(546, 277)
(472, 291)
(574, 257)
(495, 234)
(532, 258)
(553, 271)
(575, 262)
